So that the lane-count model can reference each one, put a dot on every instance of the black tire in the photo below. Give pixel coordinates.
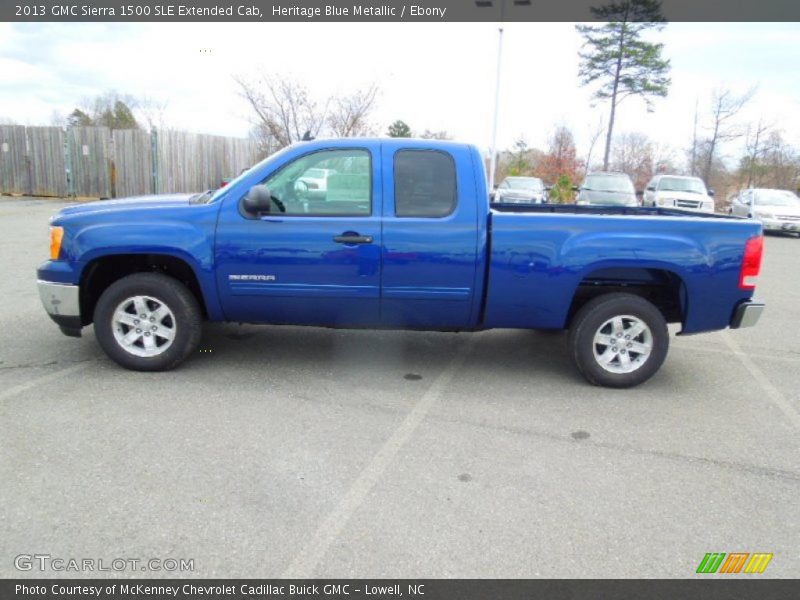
(186, 319)
(588, 322)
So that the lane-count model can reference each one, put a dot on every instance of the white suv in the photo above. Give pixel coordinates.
(676, 191)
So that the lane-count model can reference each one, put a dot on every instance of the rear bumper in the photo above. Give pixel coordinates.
(747, 314)
(62, 303)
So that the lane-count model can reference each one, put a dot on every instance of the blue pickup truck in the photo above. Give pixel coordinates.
(394, 233)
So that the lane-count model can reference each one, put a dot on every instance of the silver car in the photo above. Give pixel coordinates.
(607, 189)
(778, 210)
(529, 190)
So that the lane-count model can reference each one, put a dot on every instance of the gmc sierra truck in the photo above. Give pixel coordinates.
(395, 233)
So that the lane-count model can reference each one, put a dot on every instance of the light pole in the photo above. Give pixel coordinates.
(502, 4)
(493, 158)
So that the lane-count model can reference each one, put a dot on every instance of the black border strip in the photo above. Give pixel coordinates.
(282, 11)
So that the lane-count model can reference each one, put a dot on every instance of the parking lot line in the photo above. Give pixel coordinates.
(22, 387)
(770, 390)
(314, 550)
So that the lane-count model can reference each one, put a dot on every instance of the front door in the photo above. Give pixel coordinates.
(315, 257)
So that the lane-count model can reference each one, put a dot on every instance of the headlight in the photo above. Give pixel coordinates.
(764, 215)
(56, 235)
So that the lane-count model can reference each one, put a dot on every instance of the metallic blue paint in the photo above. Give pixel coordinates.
(426, 273)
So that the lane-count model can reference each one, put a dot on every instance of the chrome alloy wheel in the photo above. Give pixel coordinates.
(622, 344)
(143, 326)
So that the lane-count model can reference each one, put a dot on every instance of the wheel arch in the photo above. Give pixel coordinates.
(102, 271)
(664, 285)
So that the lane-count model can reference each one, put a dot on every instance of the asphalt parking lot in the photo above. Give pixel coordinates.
(305, 452)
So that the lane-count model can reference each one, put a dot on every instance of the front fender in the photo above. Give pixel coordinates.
(177, 239)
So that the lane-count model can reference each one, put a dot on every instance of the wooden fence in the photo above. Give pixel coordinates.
(95, 162)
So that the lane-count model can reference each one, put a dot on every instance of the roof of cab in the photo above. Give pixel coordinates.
(385, 141)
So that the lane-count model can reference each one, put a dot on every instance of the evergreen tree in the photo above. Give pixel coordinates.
(618, 61)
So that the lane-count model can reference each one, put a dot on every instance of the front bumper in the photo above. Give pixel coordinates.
(62, 303)
(780, 225)
(746, 314)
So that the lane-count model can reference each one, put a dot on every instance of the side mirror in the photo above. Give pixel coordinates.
(575, 188)
(640, 192)
(711, 193)
(651, 189)
(258, 200)
(496, 185)
(547, 188)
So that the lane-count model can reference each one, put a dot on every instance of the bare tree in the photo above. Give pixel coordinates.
(641, 158)
(754, 147)
(152, 112)
(725, 106)
(693, 155)
(284, 110)
(435, 135)
(349, 116)
(781, 163)
(593, 137)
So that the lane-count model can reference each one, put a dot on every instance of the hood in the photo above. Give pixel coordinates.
(126, 204)
(603, 197)
(786, 211)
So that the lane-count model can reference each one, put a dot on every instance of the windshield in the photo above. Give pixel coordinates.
(682, 184)
(524, 183)
(776, 198)
(608, 183)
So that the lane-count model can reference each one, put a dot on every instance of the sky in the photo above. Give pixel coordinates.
(437, 76)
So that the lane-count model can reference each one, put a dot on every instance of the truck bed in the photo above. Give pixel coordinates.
(540, 255)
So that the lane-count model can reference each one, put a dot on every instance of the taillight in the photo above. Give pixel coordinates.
(751, 263)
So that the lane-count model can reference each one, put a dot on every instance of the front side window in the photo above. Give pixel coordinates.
(424, 183)
(324, 183)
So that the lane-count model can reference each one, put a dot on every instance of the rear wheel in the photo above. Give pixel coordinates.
(148, 322)
(618, 340)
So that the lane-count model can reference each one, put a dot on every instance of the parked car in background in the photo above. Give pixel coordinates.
(316, 181)
(528, 190)
(778, 210)
(676, 191)
(607, 189)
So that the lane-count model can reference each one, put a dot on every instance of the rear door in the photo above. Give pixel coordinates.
(315, 257)
(430, 236)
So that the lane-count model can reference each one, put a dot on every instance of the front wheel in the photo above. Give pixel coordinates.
(147, 322)
(618, 340)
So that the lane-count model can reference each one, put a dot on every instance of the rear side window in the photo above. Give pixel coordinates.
(424, 183)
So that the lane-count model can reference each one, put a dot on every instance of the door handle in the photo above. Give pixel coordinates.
(353, 239)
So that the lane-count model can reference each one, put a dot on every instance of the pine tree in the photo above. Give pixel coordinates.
(618, 61)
